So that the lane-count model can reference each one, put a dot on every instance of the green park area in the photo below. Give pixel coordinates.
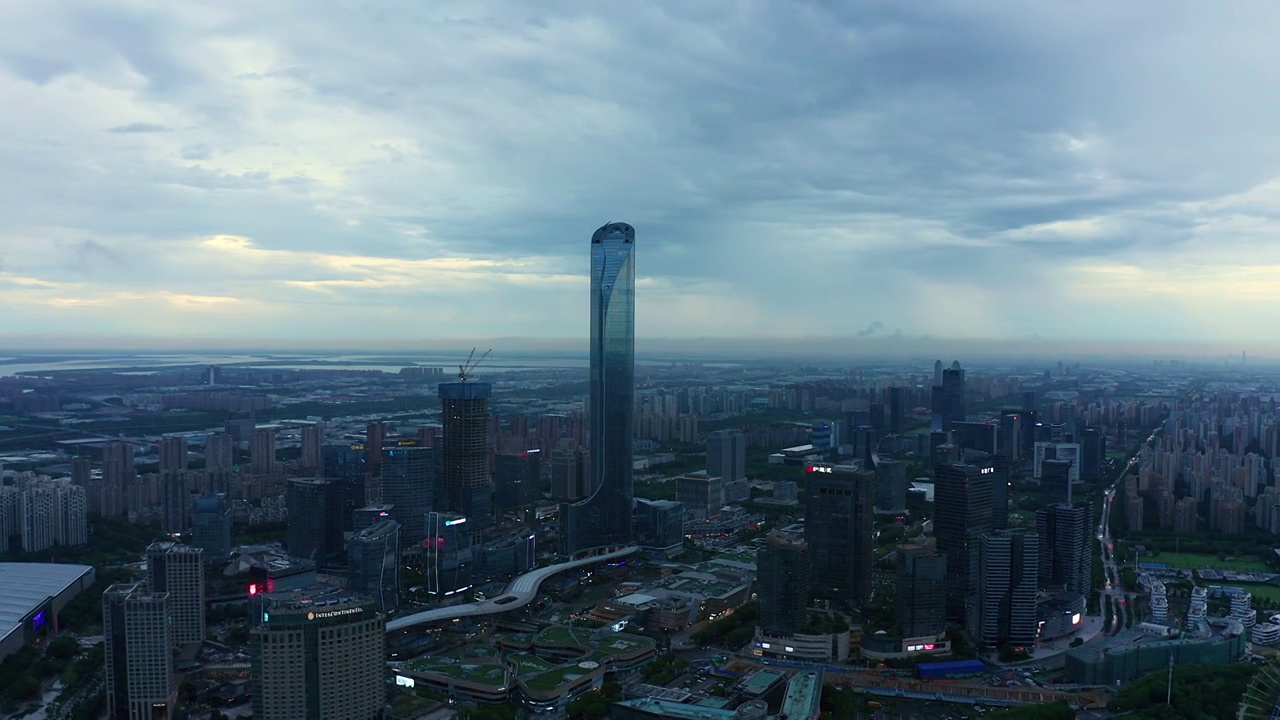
(1197, 561)
(1260, 593)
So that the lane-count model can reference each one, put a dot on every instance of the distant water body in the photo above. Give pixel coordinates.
(51, 362)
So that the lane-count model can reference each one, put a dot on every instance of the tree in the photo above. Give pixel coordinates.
(63, 647)
(1199, 691)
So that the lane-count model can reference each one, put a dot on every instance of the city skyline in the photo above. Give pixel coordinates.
(227, 173)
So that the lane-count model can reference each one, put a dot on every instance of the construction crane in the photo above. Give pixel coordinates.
(464, 370)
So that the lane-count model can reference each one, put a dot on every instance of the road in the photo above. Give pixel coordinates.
(1121, 601)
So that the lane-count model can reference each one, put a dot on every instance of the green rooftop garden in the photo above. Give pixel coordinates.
(527, 664)
(565, 636)
(625, 644)
(485, 672)
(561, 674)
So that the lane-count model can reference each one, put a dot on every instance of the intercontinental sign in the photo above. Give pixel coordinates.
(333, 613)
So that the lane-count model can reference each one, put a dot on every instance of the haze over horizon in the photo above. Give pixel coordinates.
(1085, 178)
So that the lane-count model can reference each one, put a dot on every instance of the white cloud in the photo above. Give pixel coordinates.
(237, 169)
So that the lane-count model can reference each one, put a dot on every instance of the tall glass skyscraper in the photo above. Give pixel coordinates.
(603, 519)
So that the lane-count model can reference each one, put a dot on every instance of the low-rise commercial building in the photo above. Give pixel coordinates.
(1134, 653)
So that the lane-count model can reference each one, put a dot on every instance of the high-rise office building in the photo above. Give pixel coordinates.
(897, 411)
(262, 451)
(962, 496)
(449, 554)
(570, 468)
(312, 457)
(408, 486)
(660, 526)
(919, 592)
(953, 389)
(1055, 479)
(373, 564)
(464, 452)
(174, 484)
(1010, 443)
(839, 524)
(315, 522)
(1093, 453)
(865, 443)
(782, 569)
(81, 471)
(178, 570)
(1006, 610)
(517, 479)
(211, 527)
(139, 642)
(219, 462)
(175, 495)
(702, 495)
(891, 485)
(375, 437)
(119, 472)
(1065, 537)
(603, 519)
(345, 464)
(877, 418)
(727, 455)
(173, 454)
(318, 658)
(978, 436)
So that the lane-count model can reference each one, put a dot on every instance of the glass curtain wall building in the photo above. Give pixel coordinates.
(603, 519)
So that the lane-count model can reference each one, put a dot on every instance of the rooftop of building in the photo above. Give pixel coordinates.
(168, 546)
(377, 531)
(561, 675)
(804, 695)
(272, 558)
(492, 673)
(25, 586)
(564, 636)
(625, 645)
(527, 664)
(468, 652)
(759, 681)
(1135, 638)
(680, 711)
(317, 596)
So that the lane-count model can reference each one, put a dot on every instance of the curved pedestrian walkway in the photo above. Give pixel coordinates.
(519, 592)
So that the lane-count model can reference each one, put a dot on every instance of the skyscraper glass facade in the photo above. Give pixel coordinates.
(603, 518)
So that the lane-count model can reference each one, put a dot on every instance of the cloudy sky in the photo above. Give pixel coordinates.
(388, 171)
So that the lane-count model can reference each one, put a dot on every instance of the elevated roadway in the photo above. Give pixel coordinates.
(519, 592)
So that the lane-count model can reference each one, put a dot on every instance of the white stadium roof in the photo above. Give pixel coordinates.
(24, 586)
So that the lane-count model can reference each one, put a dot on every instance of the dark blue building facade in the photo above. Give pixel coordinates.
(603, 519)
